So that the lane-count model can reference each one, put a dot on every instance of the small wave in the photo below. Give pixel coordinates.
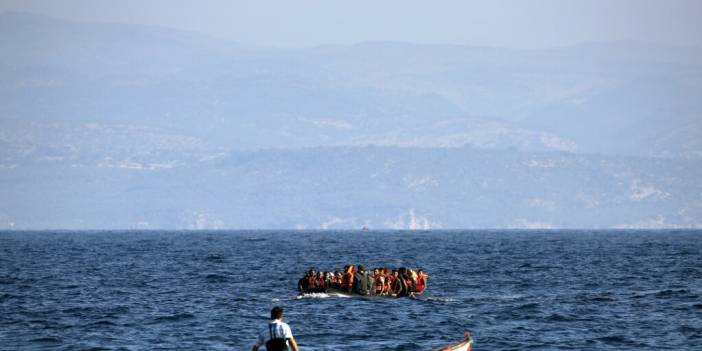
(102, 323)
(509, 297)
(602, 299)
(215, 257)
(436, 299)
(494, 299)
(691, 332)
(528, 306)
(408, 346)
(216, 278)
(174, 318)
(671, 293)
(615, 340)
(254, 240)
(78, 310)
(664, 294)
(119, 310)
(556, 317)
(47, 339)
(7, 280)
(6, 296)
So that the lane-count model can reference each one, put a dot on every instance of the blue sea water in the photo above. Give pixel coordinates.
(513, 290)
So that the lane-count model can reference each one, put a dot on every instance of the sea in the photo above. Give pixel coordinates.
(213, 290)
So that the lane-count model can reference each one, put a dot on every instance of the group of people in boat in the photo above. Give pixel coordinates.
(356, 280)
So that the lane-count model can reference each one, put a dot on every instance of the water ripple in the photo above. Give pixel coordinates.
(213, 290)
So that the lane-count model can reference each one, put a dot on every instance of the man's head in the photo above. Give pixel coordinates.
(277, 313)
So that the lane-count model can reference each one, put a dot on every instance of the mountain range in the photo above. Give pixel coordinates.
(130, 126)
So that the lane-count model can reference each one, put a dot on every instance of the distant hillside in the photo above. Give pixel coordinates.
(612, 98)
(126, 126)
(382, 187)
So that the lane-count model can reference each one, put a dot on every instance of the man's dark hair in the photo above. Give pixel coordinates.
(276, 312)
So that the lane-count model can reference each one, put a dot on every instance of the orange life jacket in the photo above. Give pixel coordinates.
(347, 280)
(421, 282)
(379, 283)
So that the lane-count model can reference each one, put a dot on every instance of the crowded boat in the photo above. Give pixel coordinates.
(356, 280)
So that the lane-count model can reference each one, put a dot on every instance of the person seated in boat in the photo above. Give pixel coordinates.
(336, 280)
(312, 281)
(412, 281)
(421, 282)
(395, 283)
(302, 284)
(379, 282)
(328, 279)
(360, 285)
(370, 280)
(385, 272)
(347, 279)
(320, 284)
(388, 281)
(404, 282)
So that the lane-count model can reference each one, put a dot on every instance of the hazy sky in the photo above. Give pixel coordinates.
(521, 23)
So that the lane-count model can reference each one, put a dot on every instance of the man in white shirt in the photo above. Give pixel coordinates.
(276, 336)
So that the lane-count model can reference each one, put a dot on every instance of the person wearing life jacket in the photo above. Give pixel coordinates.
(347, 279)
(320, 283)
(379, 282)
(412, 281)
(312, 281)
(360, 278)
(388, 284)
(335, 281)
(421, 281)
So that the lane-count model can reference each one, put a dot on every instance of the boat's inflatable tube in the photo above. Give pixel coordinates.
(334, 291)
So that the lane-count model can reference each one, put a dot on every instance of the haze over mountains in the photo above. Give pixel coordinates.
(127, 126)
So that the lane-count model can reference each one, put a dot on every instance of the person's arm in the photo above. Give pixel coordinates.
(287, 334)
(255, 348)
(293, 344)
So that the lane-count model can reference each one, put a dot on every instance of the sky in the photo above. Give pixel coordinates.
(527, 24)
